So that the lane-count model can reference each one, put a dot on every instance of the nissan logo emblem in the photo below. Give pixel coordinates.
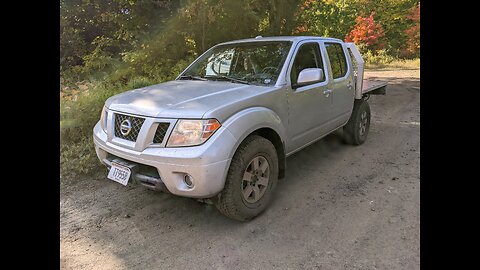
(125, 127)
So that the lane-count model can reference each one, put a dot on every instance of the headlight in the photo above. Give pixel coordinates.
(192, 132)
(103, 119)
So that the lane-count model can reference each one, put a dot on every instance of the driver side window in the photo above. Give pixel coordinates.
(308, 56)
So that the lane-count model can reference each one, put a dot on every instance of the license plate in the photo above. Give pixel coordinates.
(119, 173)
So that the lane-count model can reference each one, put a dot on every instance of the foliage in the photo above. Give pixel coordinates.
(377, 63)
(275, 17)
(378, 58)
(147, 37)
(78, 158)
(393, 17)
(92, 29)
(337, 19)
(325, 18)
(413, 33)
(366, 32)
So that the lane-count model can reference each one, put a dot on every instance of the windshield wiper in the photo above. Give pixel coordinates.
(225, 78)
(190, 77)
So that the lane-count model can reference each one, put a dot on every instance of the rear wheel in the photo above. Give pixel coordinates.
(356, 130)
(251, 179)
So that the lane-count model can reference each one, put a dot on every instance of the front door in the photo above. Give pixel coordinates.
(309, 105)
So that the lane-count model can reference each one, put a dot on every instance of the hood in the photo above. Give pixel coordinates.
(181, 98)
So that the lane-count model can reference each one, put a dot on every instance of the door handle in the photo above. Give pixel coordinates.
(349, 85)
(327, 92)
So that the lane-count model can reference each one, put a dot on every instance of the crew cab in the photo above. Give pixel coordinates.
(221, 131)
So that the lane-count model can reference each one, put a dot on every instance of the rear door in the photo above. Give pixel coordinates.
(341, 83)
(309, 105)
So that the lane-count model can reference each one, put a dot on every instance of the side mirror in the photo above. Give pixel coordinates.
(309, 75)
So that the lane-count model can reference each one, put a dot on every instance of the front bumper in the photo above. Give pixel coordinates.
(207, 164)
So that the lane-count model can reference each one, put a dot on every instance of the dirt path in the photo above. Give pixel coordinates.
(339, 207)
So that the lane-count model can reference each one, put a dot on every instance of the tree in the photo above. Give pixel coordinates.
(156, 38)
(367, 33)
(336, 18)
(93, 32)
(277, 17)
(413, 33)
(393, 16)
(325, 18)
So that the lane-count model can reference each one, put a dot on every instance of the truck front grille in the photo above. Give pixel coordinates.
(136, 125)
(160, 132)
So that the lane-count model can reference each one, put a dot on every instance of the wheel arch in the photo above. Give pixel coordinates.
(273, 137)
(263, 122)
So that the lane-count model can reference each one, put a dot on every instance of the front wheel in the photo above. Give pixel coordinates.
(251, 178)
(356, 130)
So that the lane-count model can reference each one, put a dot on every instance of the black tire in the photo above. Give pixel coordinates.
(352, 131)
(231, 201)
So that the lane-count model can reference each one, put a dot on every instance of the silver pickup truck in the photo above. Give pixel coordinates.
(221, 131)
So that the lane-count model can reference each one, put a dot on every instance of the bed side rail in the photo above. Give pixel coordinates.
(359, 68)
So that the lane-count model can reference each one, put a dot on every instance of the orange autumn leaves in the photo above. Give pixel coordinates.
(368, 32)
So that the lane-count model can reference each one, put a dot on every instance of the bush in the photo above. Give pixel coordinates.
(380, 58)
(80, 108)
(78, 158)
(140, 82)
(367, 32)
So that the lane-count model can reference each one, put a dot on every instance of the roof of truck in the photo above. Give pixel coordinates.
(283, 38)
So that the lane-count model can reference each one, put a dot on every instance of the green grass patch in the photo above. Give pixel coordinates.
(78, 158)
(80, 110)
(383, 61)
(397, 64)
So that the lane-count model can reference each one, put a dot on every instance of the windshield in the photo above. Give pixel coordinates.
(249, 62)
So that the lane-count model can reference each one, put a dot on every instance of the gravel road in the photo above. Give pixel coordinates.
(339, 207)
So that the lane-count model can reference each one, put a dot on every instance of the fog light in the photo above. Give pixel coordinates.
(188, 180)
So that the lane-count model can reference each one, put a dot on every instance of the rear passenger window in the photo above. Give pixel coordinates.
(337, 59)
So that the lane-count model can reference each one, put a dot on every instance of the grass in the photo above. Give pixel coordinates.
(397, 64)
(80, 108)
